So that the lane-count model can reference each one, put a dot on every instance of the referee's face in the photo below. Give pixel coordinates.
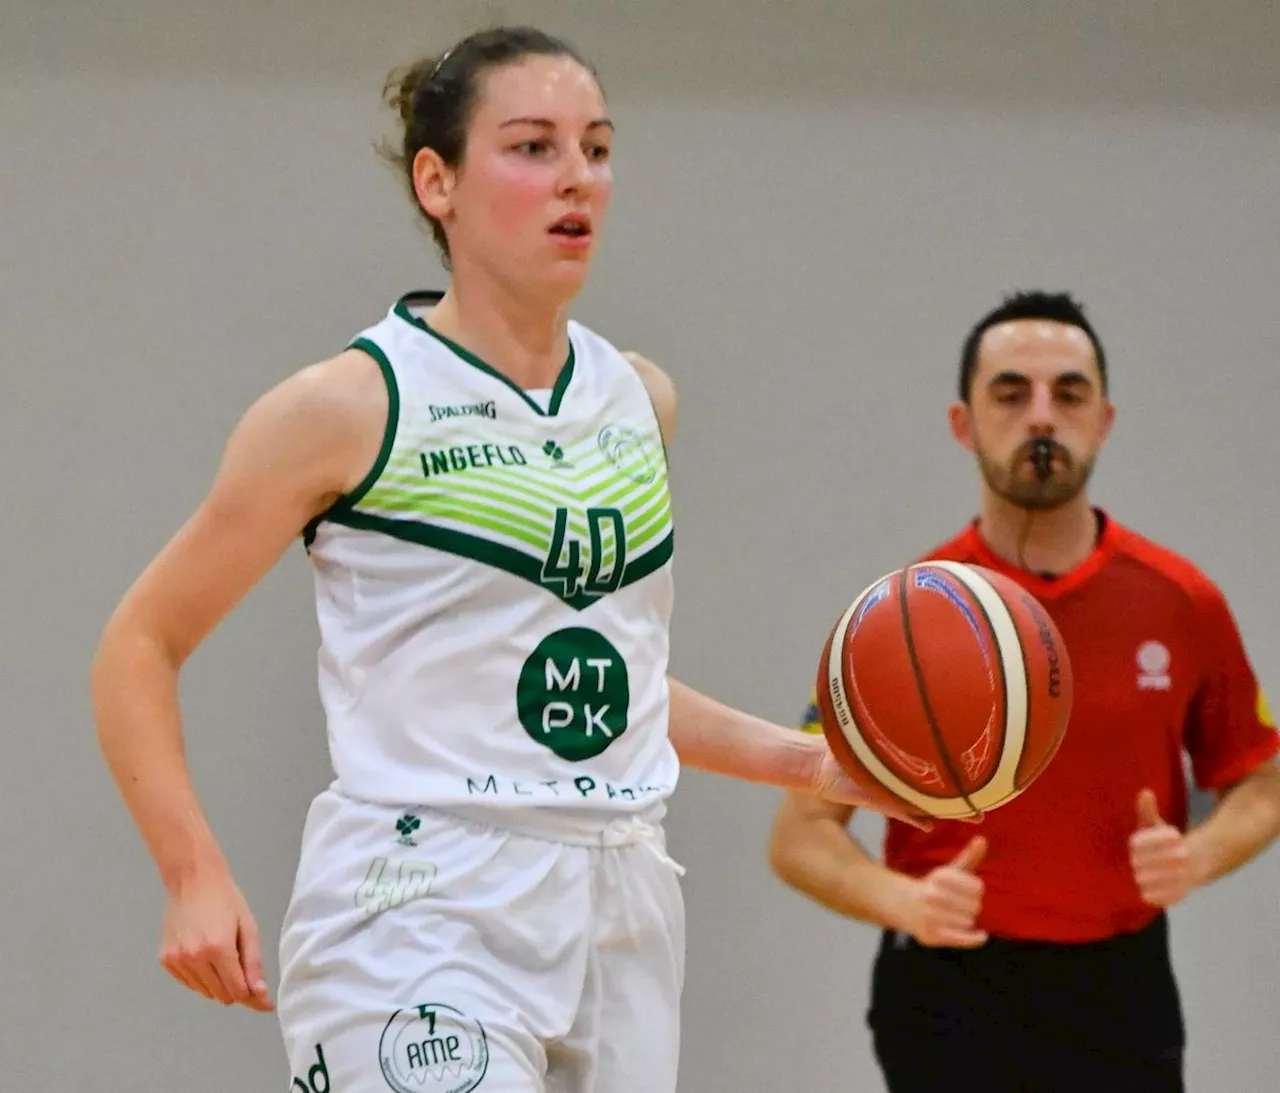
(1035, 378)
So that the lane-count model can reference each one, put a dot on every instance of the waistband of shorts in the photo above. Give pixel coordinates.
(1152, 938)
(576, 827)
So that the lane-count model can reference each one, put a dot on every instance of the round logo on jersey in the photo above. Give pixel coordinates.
(1153, 658)
(626, 450)
(573, 694)
(433, 1048)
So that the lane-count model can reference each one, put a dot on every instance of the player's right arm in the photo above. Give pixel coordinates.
(296, 450)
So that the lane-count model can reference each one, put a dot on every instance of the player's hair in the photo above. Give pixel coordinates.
(1056, 307)
(435, 97)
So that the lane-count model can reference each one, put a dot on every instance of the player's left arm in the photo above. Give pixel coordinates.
(711, 736)
(1233, 744)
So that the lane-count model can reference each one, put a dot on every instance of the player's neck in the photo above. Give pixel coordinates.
(527, 340)
(1056, 540)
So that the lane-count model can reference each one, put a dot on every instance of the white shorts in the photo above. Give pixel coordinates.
(425, 952)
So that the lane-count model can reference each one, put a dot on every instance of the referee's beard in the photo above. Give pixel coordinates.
(1018, 484)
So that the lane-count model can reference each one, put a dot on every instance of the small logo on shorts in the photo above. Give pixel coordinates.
(433, 1048)
(406, 826)
(392, 884)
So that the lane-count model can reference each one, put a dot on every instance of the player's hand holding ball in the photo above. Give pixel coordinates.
(831, 781)
(941, 907)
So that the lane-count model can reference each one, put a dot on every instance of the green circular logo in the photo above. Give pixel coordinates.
(433, 1047)
(573, 694)
(626, 450)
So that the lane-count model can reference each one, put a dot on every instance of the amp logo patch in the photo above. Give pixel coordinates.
(433, 1048)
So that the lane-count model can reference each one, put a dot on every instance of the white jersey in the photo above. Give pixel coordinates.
(494, 599)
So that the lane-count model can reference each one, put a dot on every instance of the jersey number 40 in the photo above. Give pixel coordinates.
(564, 571)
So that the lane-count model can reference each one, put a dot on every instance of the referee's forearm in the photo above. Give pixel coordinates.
(1245, 822)
(821, 859)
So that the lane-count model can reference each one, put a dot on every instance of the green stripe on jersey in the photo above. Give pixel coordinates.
(577, 594)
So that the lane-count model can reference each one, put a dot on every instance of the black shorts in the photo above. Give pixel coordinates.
(1022, 1017)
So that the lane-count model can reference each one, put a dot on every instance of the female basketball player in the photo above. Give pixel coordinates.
(483, 891)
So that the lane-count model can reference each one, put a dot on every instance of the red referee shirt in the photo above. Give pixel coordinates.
(1159, 669)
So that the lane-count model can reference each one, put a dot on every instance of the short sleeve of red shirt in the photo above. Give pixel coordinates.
(1229, 730)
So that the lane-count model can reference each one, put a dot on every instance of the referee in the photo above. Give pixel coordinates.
(1033, 950)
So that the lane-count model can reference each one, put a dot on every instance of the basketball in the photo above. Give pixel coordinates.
(946, 687)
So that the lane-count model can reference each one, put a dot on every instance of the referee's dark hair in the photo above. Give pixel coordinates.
(1056, 307)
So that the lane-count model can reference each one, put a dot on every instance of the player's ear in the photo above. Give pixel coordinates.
(960, 415)
(433, 183)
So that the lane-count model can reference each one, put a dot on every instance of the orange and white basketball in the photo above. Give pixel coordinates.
(945, 686)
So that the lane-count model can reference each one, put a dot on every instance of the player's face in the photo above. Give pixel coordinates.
(1035, 378)
(529, 201)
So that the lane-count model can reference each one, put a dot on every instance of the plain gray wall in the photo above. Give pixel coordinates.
(813, 204)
